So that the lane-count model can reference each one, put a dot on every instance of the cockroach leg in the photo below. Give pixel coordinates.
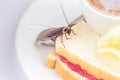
(73, 32)
(54, 46)
(62, 40)
(67, 36)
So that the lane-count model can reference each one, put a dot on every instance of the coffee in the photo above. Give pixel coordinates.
(111, 7)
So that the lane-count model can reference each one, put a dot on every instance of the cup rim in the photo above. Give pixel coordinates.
(97, 12)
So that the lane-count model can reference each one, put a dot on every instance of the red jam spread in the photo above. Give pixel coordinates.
(77, 68)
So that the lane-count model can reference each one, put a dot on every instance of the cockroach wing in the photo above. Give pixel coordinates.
(55, 32)
(48, 33)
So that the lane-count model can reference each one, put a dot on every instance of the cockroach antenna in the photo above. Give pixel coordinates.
(64, 14)
(41, 25)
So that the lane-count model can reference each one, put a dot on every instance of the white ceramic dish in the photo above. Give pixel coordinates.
(47, 12)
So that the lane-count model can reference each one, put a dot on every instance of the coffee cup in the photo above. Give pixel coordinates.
(99, 21)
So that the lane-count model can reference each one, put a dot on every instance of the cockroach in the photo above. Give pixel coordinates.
(65, 30)
(62, 30)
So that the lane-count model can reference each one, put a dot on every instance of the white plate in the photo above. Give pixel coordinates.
(47, 12)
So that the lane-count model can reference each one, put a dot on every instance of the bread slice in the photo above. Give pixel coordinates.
(61, 68)
(78, 59)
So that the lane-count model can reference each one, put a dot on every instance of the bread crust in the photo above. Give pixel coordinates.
(51, 60)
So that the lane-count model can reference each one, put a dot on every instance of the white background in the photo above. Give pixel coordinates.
(10, 13)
